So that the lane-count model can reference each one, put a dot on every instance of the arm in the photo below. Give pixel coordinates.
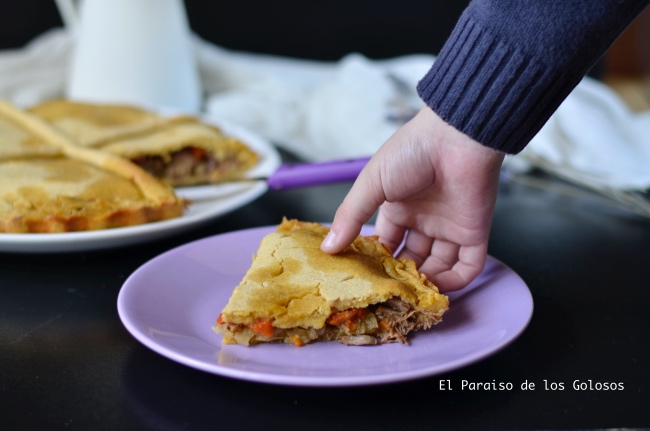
(509, 64)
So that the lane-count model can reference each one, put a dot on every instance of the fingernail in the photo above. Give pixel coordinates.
(329, 242)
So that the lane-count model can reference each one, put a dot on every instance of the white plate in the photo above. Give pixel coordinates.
(211, 201)
(171, 303)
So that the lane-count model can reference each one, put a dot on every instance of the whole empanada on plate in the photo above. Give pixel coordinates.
(78, 189)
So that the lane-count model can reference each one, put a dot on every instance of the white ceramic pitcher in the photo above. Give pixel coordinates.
(132, 51)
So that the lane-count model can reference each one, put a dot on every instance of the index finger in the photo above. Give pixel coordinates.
(361, 202)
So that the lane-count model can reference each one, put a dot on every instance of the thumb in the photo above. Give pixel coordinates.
(361, 202)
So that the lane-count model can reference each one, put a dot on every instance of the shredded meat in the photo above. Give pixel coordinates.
(401, 318)
(154, 165)
(181, 165)
(184, 163)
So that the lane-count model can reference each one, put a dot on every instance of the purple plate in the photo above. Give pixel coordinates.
(171, 303)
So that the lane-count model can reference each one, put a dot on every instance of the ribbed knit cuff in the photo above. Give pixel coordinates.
(490, 90)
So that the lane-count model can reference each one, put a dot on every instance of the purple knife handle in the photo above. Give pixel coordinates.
(295, 175)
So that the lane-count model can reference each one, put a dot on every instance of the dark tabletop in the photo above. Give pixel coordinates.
(66, 360)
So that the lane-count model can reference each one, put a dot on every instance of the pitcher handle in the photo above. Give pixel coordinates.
(68, 9)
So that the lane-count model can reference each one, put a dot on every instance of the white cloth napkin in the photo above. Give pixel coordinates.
(317, 110)
(344, 109)
(594, 139)
(38, 71)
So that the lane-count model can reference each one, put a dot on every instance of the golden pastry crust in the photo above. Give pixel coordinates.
(293, 284)
(85, 190)
(46, 195)
(16, 142)
(92, 125)
(151, 188)
(180, 150)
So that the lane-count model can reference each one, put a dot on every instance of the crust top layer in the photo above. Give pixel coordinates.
(296, 284)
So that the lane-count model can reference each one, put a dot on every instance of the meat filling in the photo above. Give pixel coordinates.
(387, 322)
(188, 162)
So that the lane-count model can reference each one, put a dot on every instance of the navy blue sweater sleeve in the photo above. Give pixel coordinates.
(508, 64)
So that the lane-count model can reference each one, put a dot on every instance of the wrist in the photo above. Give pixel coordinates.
(453, 142)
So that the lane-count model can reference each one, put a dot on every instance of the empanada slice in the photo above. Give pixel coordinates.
(178, 150)
(186, 152)
(296, 293)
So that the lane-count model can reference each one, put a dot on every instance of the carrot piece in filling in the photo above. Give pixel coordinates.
(346, 317)
(263, 327)
(198, 153)
(383, 325)
(296, 341)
